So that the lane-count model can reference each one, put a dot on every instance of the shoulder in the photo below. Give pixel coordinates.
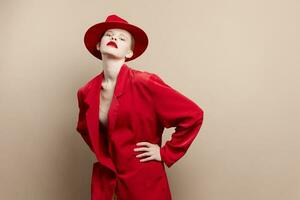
(84, 89)
(150, 82)
(140, 76)
(145, 78)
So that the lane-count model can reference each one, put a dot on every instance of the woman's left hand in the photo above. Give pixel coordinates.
(151, 150)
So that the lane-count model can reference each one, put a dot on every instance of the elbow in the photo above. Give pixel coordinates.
(199, 115)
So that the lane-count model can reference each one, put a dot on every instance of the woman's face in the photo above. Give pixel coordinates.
(116, 43)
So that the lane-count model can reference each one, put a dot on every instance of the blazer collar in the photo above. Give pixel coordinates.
(121, 79)
(120, 88)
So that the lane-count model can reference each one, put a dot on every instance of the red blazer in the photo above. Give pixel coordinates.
(142, 106)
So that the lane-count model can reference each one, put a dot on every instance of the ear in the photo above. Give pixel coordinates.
(98, 46)
(129, 54)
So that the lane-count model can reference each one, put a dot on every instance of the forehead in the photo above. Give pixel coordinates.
(118, 31)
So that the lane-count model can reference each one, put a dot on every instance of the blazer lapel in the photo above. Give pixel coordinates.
(120, 89)
(92, 114)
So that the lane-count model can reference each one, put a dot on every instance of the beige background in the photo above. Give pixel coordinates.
(239, 60)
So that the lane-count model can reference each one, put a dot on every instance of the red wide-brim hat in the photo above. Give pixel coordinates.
(94, 34)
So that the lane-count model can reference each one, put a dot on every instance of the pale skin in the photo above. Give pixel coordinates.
(113, 58)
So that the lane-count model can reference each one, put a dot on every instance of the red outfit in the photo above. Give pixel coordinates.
(141, 107)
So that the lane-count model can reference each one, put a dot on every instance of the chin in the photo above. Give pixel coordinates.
(110, 54)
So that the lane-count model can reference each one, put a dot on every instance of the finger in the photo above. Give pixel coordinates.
(143, 154)
(143, 143)
(141, 149)
(147, 159)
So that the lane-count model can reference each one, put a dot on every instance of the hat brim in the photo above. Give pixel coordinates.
(94, 33)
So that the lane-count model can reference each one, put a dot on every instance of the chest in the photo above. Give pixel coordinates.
(106, 96)
(130, 113)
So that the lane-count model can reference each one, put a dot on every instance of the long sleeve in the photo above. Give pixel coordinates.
(175, 110)
(81, 123)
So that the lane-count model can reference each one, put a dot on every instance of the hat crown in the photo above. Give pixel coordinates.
(115, 18)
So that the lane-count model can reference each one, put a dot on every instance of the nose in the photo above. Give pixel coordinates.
(113, 38)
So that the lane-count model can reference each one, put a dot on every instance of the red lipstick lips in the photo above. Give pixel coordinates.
(112, 44)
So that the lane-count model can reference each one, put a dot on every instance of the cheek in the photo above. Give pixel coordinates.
(104, 41)
(124, 48)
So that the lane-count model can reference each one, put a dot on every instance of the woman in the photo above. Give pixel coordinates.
(122, 115)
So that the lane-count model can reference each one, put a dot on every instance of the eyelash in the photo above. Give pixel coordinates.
(108, 34)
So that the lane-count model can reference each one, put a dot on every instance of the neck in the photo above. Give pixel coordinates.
(111, 68)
